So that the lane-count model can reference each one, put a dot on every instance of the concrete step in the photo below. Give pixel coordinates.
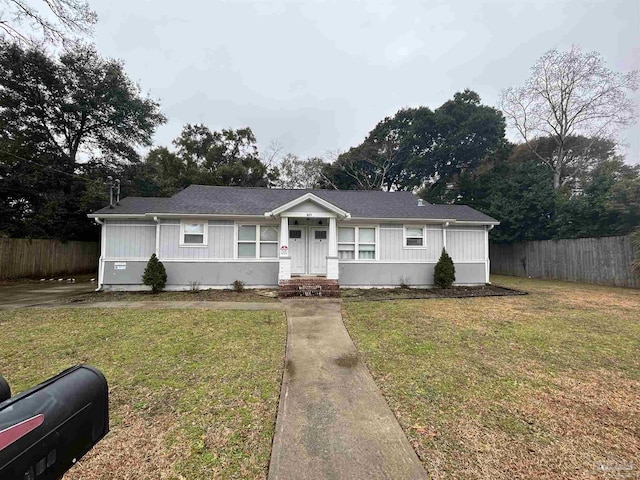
(308, 287)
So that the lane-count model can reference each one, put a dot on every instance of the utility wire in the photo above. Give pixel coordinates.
(75, 175)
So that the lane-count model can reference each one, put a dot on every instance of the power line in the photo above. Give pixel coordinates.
(74, 175)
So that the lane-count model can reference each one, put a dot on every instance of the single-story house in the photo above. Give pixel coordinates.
(211, 236)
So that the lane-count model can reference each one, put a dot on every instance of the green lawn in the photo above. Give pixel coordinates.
(539, 386)
(193, 393)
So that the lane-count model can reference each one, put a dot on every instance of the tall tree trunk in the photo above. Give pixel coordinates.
(556, 177)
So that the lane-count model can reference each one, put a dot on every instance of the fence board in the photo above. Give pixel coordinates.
(602, 261)
(21, 257)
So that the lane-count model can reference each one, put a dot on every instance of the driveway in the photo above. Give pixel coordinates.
(33, 293)
(333, 422)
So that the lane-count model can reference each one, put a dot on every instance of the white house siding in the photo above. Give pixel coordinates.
(415, 266)
(220, 244)
(129, 244)
(392, 247)
(466, 244)
(130, 238)
(180, 275)
(134, 241)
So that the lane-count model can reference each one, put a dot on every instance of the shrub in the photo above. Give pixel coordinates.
(155, 274)
(404, 282)
(445, 271)
(238, 286)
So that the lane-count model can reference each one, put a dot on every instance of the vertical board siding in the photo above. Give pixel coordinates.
(466, 245)
(34, 258)
(219, 243)
(392, 247)
(602, 261)
(130, 239)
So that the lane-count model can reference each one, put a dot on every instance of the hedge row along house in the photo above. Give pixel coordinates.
(212, 236)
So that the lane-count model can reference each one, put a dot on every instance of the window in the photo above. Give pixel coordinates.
(193, 234)
(320, 234)
(295, 234)
(347, 243)
(357, 243)
(268, 242)
(367, 243)
(413, 236)
(257, 241)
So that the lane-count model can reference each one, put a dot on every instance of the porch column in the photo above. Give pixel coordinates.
(333, 238)
(333, 269)
(284, 272)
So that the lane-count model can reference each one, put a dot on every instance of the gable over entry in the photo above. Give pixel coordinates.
(308, 245)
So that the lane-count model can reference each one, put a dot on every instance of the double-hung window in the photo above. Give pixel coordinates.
(257, 241)
(347, 243)
(193, 234)
(413, 236)
(357, 243)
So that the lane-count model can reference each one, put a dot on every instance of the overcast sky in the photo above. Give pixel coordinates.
(318, 76)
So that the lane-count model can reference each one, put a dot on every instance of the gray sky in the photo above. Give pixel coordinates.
(318, 76)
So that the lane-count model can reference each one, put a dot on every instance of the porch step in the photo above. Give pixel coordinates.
(309, 287)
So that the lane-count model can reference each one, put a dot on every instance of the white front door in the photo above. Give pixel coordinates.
(298, 250)
(318, 251)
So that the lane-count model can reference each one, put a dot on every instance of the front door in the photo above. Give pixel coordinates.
(318, 251)
(298, 250)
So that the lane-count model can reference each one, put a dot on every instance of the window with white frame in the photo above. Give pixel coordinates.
(257, 241)
(414, 236)
(357, 243)
(347, 243)
(193, 234)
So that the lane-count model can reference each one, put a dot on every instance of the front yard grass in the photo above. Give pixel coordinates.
(193, 394)
(545, 385)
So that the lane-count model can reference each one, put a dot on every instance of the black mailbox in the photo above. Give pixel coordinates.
(45, 430)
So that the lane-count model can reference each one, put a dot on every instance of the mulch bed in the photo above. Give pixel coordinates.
(377, 294)
(249, 295)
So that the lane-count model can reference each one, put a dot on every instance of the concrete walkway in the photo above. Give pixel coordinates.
(26, 294)
(333, 422)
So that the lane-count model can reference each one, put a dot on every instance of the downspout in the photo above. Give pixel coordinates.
(157, 220)
(486, 246)
(102, 251)
(444, 235)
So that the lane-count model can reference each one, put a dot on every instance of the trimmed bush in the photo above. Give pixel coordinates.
(155, 274)
(445, 271)
(238, 286)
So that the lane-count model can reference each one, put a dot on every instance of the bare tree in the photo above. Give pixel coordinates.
(34, 22)
(569, 94)
(298, 173)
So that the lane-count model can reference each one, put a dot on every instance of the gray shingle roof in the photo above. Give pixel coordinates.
(208, 200)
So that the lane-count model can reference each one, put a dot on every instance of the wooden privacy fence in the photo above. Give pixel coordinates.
(603, 261)
(21, 257)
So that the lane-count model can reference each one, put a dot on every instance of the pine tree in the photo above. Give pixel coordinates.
(155, 274)
(445, 272)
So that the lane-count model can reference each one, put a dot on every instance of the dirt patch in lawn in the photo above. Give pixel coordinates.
(375, 294)
(249, 295)
(137, 447)
(348, 360)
